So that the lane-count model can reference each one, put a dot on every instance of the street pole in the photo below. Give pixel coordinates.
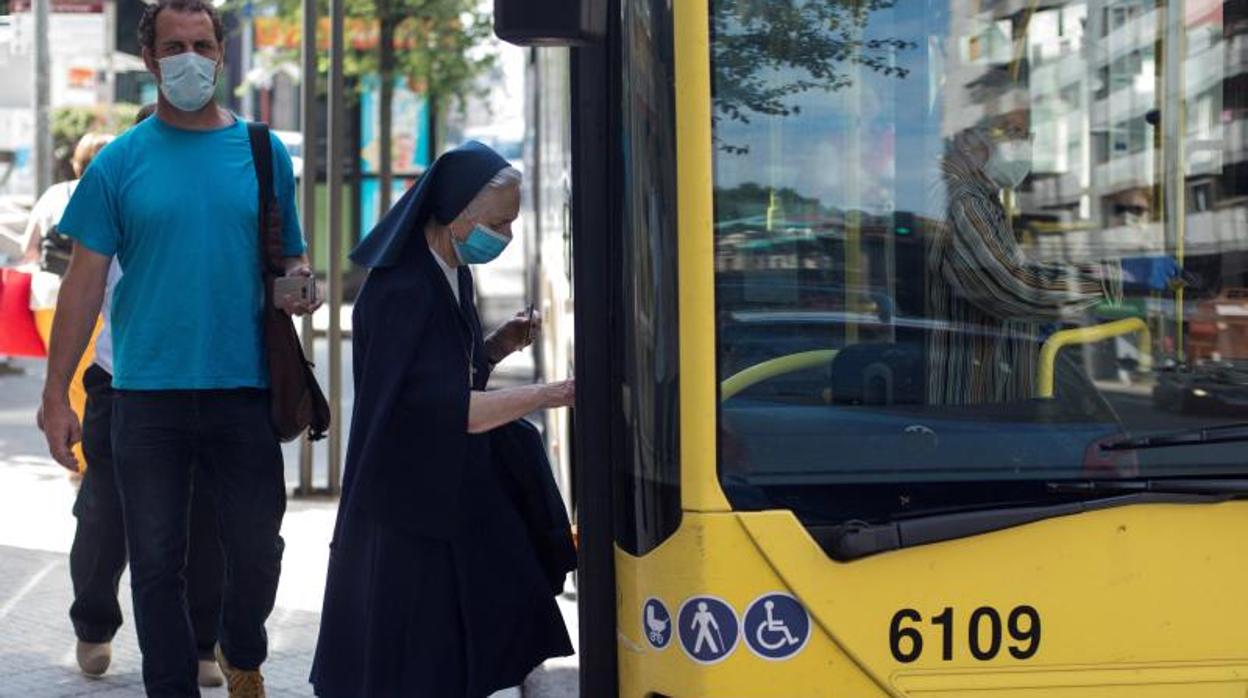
(43, 97)
(248, 49)
(334, 175)
(307, 194)
(110, 51)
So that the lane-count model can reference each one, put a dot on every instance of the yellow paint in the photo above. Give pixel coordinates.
(774, 367)
(1087, 335)
(1145, 600)
(699, 481)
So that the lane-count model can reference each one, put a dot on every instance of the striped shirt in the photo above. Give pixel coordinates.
(991, 299)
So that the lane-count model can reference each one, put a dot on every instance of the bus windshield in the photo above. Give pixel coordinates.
(965, 242)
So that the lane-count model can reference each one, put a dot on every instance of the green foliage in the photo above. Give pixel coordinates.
(438, 44)
(68, 124)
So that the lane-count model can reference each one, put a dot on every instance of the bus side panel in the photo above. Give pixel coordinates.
(1136, 601)
(1143, 600)
(713, 554)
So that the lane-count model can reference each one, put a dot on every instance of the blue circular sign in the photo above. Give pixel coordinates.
(656, 624)
(776, 626)
(708, 629)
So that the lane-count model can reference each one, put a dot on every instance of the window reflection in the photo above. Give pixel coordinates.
(932, 190)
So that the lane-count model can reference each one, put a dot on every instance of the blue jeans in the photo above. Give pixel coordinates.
(98, 555)
(159, 437)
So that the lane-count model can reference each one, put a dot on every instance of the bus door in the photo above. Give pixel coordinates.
(902, 397)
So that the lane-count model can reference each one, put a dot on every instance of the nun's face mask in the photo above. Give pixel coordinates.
(484, 229)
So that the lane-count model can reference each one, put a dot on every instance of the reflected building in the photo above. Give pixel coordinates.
(1107, 114)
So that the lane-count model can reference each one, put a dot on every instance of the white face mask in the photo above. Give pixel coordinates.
(1009, 164)
(188, 80)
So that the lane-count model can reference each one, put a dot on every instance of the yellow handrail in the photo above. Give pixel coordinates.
(1087, 335)
(772, 368)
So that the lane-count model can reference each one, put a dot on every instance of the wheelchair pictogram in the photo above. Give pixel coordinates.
(776, 626)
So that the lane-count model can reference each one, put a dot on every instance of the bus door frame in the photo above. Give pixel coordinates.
(597, 423)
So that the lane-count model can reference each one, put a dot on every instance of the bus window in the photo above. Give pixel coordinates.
(961, 246)
(649, 471)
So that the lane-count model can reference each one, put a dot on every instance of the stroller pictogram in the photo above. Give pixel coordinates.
(657, 624)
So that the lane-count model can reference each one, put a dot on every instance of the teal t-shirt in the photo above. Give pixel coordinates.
(179, 210)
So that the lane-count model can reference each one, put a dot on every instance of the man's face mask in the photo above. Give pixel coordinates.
(1009, 164)
(482, 245)
(188, 80)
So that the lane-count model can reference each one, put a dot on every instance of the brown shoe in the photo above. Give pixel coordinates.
(241, 683)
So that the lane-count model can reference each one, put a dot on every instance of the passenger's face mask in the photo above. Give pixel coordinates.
(1009, 164)
(482, 245)
(188, 80)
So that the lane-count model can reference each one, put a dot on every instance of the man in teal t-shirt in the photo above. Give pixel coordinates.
(175, 200)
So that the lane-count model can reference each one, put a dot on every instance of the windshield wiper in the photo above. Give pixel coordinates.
(852, 540)
(1227, 433)
(1211, 486)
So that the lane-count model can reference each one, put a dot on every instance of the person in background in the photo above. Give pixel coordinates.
(98, 555)
(174, 199)
(45, 281)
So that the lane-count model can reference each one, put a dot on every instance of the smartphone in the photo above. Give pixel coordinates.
(528, 338)
(301, 289)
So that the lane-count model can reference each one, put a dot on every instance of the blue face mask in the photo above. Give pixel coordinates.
(188, 80)
(483, 245)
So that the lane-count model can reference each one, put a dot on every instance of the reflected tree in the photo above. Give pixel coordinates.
(767, 52)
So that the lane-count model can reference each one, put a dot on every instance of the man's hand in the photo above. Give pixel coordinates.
(61, 428)
(514, 335)
(77, 307)
(297, 306)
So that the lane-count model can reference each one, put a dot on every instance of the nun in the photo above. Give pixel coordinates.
(433, 588)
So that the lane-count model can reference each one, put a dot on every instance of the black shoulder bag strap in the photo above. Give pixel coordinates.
(262, 156)
(298, 404)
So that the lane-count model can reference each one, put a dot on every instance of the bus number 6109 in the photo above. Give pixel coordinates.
(983, 633)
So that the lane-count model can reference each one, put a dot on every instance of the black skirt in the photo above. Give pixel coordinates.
(410, 617)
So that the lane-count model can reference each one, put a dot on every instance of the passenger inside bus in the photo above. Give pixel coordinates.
(994, 301)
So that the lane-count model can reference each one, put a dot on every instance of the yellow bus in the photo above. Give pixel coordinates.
(882, 309)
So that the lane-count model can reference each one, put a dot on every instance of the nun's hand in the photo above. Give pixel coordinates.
(559, 394)
(514, 335)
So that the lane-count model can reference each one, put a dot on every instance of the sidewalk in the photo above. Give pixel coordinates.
(36, 529)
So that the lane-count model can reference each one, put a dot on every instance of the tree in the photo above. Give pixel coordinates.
(435, 45)
(766, 52)
(69, 124)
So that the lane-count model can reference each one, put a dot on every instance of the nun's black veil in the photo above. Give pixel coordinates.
(442, 192)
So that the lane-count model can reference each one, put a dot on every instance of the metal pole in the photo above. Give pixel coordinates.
(334, 175)
(247, 51)
(43, 92)
(307, 195)
(110, 51)
(1173, 128)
